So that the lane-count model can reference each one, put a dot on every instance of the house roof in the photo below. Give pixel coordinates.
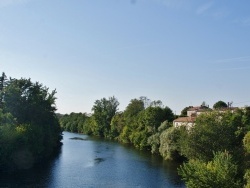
(185, 119)
(199, 108)
(194, 108)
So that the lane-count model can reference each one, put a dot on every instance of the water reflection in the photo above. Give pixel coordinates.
(38, 176)
(91, 162)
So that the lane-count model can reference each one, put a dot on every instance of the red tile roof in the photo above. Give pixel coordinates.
(185, 119)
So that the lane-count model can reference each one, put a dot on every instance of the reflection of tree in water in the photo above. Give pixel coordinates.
(38, 176)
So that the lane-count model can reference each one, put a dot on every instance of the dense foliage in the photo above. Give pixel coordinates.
(74, 122)
(29, 128)
(221, 171)
(137, 125)
(215, 149)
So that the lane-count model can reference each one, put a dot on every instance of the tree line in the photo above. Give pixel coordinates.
(141, 119)
(215, 152)
(29, 128)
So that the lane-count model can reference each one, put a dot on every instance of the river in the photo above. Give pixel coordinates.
(92, 162)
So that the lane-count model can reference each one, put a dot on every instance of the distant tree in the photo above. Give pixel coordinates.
(104, 110)
(220, 104)
(146, 101)
(157, 103)
(204, 104)
(134, 107)
(169, 115)
(3, 80)
(184, 111)
(74, 122)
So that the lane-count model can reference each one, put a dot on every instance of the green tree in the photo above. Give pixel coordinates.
(212, 132)
(130, 117)
(154, 140)
(36, 132)
(74, 122)
(116, 126)
(221, 171)
(146, 125)
(104, 110)
(3, 80)
(157, 103)
(220, 104)
(246, 142)
(134, 107)
(169, 143)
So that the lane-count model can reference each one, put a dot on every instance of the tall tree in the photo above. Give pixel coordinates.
(36, 130)
(104, 110)
(3, 80)
(133, 108)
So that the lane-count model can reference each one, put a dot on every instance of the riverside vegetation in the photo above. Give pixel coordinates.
(215, 152)
(29, 127)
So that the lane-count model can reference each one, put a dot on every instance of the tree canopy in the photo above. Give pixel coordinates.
(28, 123)
(220, 104)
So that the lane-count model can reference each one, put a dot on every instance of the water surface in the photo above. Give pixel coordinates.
(91, 162)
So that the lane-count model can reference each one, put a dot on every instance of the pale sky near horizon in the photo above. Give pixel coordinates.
(182, 52)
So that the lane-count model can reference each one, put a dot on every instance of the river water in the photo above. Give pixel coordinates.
(91, 162)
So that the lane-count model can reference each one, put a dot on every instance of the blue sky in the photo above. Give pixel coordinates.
(182, 52)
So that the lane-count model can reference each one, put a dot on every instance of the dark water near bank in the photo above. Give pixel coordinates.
(90, 162)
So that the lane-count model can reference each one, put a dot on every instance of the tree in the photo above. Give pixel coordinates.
(73, 122)
(146, 124)
(3, 80)
(157, 103)
(154, 140)
(246, 142)
(221, 171)
(204, 104)
(213, 132)
(104, 110)
(184, 111)
(145, 101)
(169, 143)
(220, 104)
(117, 124)
(34, 129)
(134, 107)
(131, 115)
